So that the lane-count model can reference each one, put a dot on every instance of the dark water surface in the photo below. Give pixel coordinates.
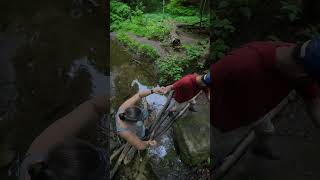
(53, 57)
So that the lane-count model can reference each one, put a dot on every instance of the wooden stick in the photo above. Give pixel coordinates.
(240, 149)
(121, 157)
(118, 151)
(129, 156)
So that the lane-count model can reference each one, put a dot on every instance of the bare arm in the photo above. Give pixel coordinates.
(134, 99)
(134, 140)
(70, 125)
(138, 96)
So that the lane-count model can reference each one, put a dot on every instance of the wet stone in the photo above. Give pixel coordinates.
(192, 137)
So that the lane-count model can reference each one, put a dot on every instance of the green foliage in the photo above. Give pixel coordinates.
(311, 31)
(218, 49)
(234, 8)
(194, 52)
(136, 47)
(152, 26)
(119, 13)
(170, 69)
(222, 28)
(148, 51)
(291, 10)
(174, 7)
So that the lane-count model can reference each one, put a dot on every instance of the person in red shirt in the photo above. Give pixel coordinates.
(250, 81)
(185, 89)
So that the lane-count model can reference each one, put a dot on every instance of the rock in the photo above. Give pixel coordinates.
(192, 137)
(139, 169)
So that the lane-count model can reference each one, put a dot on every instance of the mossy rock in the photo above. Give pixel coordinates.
(139, 169)
(192, 137)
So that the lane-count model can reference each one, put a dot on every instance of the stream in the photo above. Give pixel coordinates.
(53, 58)
(129, 77)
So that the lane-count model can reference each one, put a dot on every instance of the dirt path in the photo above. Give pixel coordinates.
(297, 140)
(156, 44)
(185, 38)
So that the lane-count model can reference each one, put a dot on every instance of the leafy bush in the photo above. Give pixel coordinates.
(119, 13)
(175, 8)
(218, 49)
(152, 26)
(222, 28)
(170, 69)
(194, 52)
(310, 32)
(291, 10)
(148, 51)
(190, 20)
(136, 47)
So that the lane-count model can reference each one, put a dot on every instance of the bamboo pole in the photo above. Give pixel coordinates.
(121, 157)
(118, 151)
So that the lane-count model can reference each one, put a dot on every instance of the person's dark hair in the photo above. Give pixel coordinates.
(72, 160)
(132, 114)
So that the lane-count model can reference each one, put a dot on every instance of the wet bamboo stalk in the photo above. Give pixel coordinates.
(118, 151)
(121, 157)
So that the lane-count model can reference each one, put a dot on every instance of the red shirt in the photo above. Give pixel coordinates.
(246, 85)
(185, 88)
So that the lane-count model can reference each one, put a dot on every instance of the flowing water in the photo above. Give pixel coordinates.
(53, 57)
(129, 77)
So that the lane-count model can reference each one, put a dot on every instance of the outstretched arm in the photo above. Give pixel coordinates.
(70, 125)
(138, 96)
(134, 99)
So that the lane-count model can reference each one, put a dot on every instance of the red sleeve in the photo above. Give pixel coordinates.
(185, 81)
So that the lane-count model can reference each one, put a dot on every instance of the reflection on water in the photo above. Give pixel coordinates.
(124, 71)
(59, 63)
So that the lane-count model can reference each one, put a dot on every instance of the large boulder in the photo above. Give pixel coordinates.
(192, 136)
